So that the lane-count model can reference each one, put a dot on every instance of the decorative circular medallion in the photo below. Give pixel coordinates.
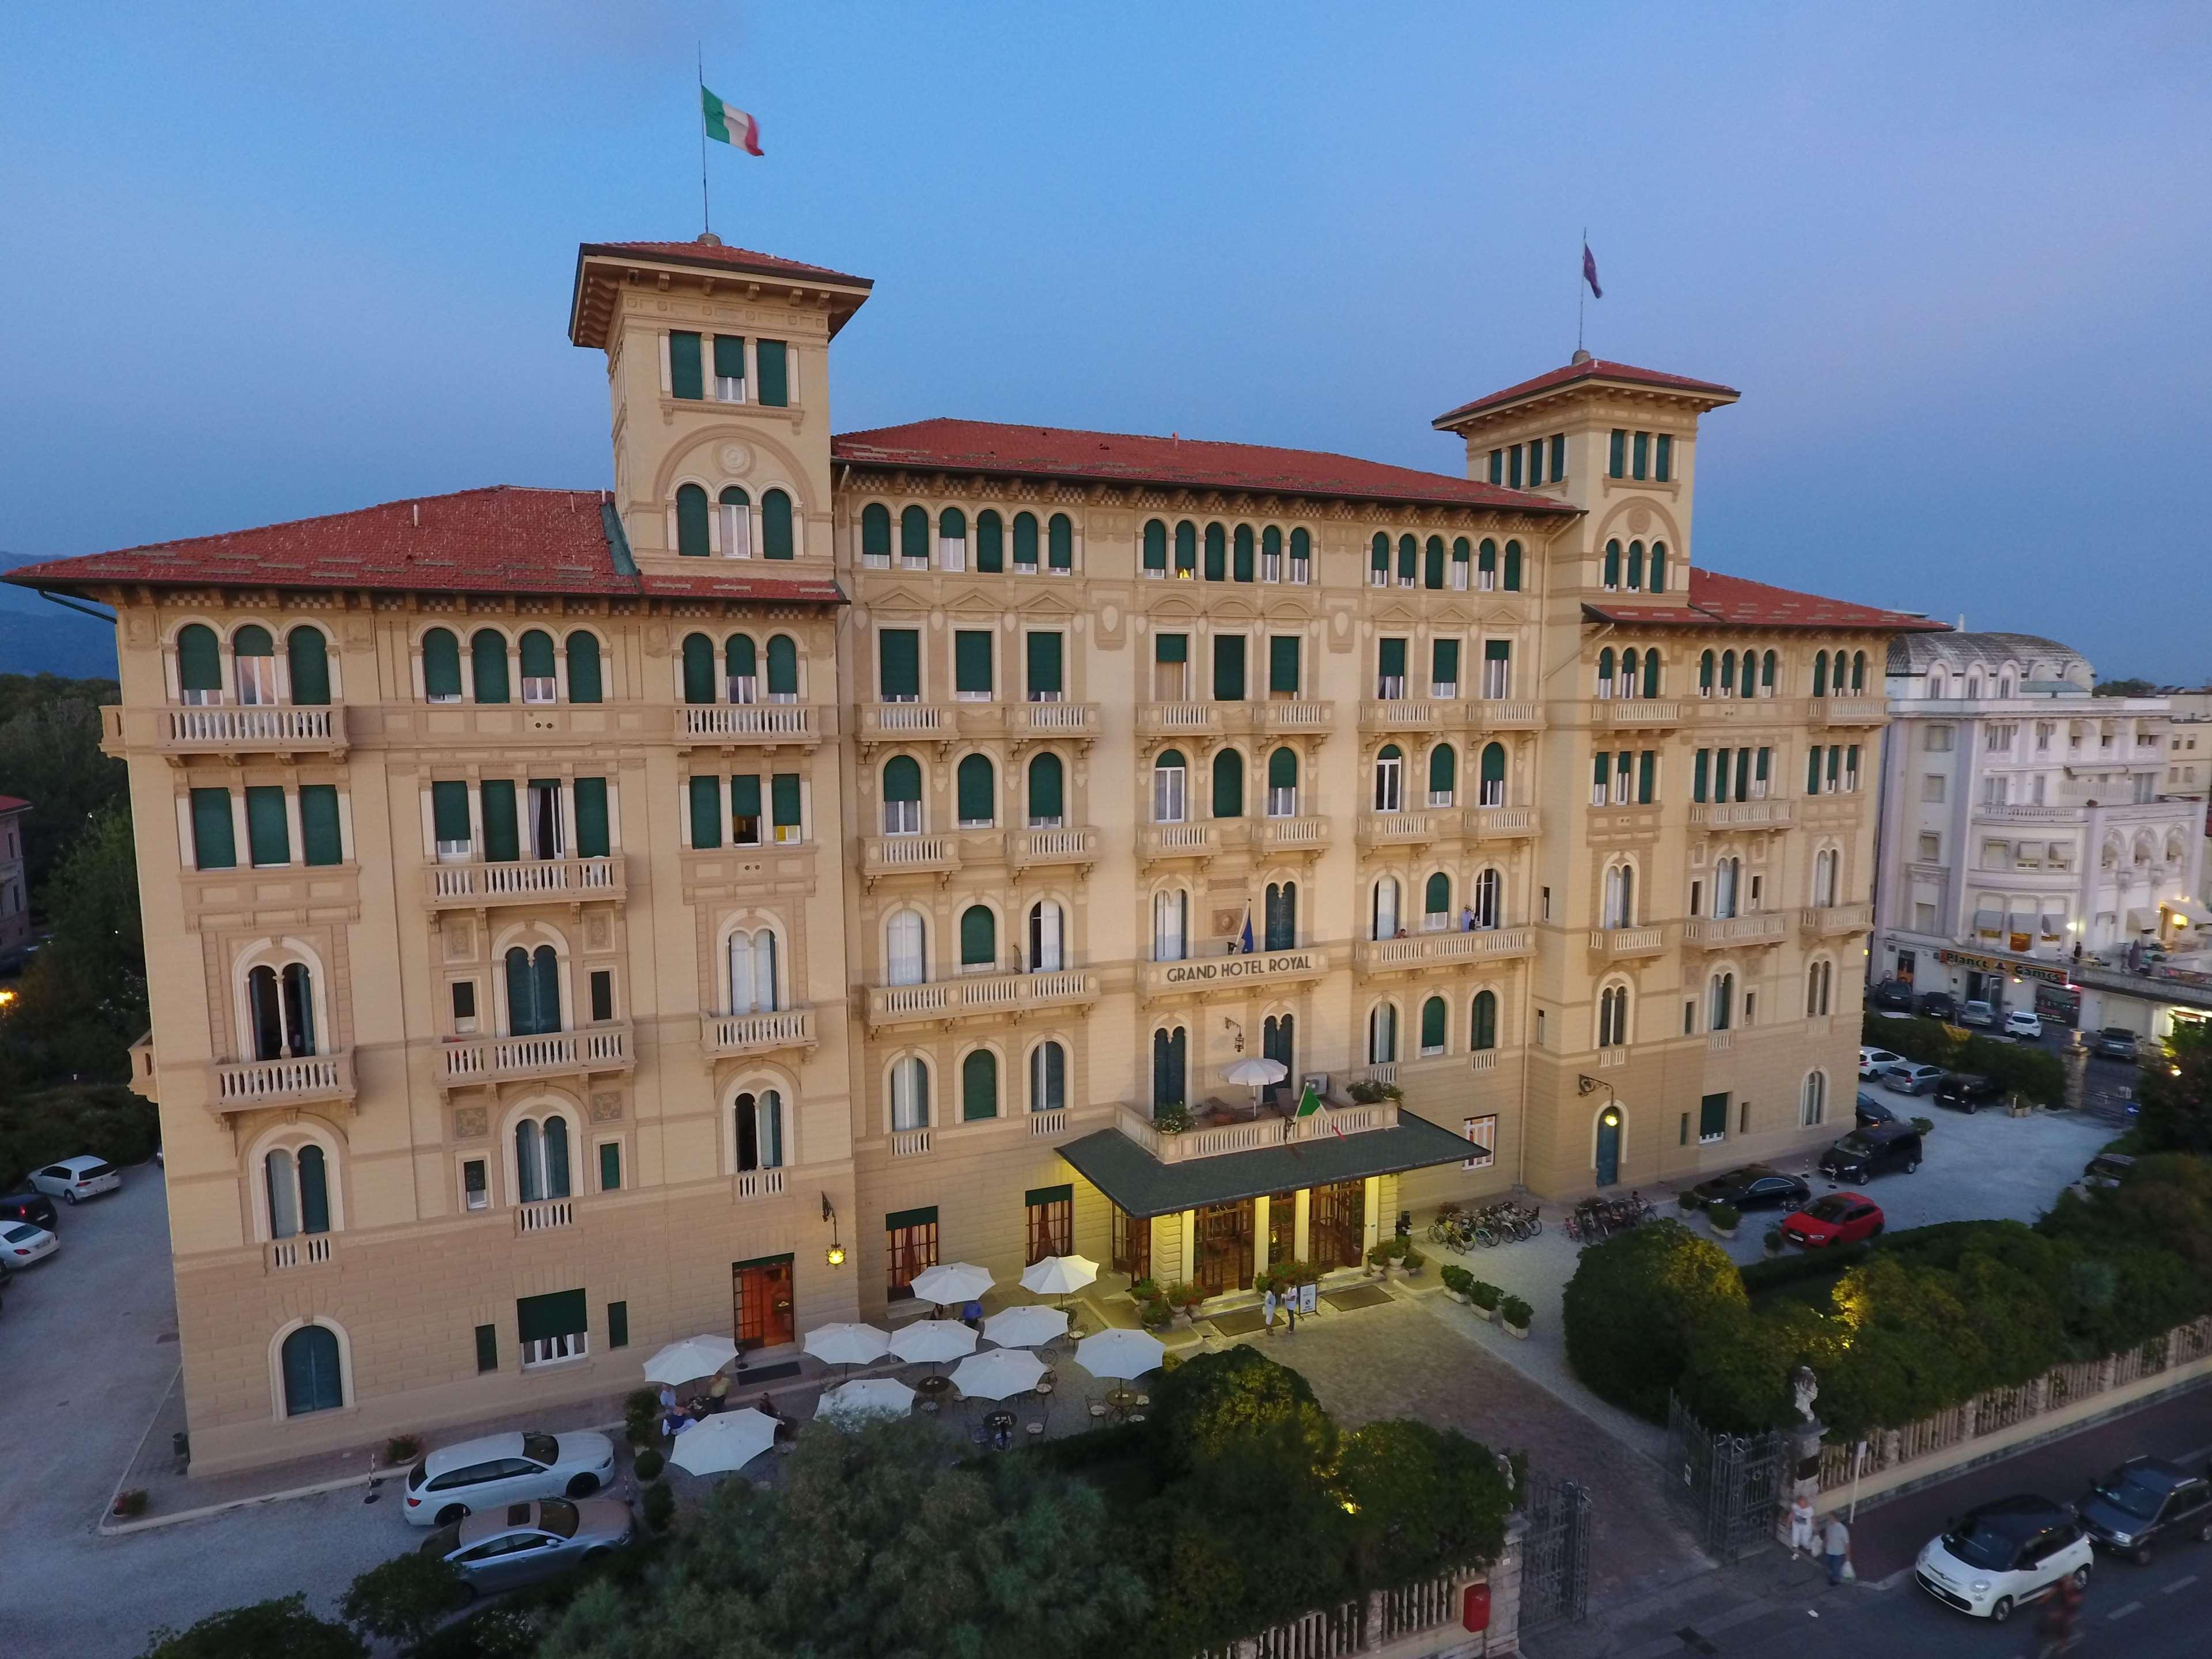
(1109, 617)
(736, 458)
(1639, 518)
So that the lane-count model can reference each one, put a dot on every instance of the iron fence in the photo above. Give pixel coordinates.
(1731, 1485)
(1554, 1551)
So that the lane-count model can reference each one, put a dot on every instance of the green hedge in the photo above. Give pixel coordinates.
(2016, 1067)
(1635, 1304)
(103, 1120)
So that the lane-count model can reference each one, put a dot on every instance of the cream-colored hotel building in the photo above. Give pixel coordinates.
(578, 921)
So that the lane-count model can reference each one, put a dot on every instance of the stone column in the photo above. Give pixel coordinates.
(1260, 1208)
(1301, 1240)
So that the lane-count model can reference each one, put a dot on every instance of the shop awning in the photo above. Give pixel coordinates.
(1143, 1186)
(2054, 927)
(2021, 922)
(1989, 921)
(2188, 910)
(2142, 921)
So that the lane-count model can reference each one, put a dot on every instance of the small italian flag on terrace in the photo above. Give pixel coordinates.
(730, 126)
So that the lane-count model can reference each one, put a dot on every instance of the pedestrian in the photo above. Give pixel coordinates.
(1802, 1519)
(1268, 1303)
(1290, 1307)
(1836, 1548)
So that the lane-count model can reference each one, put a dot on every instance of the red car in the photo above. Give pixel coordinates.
(1838, 1219)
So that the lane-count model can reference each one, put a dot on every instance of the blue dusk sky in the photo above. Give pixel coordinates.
(267, 261)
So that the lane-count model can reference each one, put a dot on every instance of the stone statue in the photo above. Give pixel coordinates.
(1807, 1388)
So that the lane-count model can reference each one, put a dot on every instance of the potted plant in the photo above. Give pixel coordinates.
(402, 1448)
(1776, 1239)
(1379, 1258)
(1514, 1314)
(1184, 1296)
(1925, 1125)
(1155, 1314)
(1723, 1218)
(1687, 1200)
(1411, 1259)
(1457, 1282)
(1484, 1297)
(129, 1504)
(1171, 1119)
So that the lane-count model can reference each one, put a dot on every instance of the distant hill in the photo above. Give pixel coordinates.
(38, 637)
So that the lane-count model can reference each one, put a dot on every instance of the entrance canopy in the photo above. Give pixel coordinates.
(1143, 1186)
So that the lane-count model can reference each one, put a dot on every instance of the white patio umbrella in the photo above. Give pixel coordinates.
(1059, 1275)
(1026, 1326)
(933, 1341)
(870, 1396)
(951, 1282)
(996, 1375)
(1120, 1353)
(1255, 1073)
(726, 1441)
(847, 1344)
(693, 1358)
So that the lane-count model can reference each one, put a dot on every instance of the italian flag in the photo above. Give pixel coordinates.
(730, 126)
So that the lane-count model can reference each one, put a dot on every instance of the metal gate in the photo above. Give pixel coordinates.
(1554, 1552)
(1731, 1484)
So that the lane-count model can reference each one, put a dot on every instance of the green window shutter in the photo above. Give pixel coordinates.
(1227, 784)
(1390, 654)
(979, 1085)
(1186, 543)
(449, 811)
(1812, 771)
(782, 666)
(706, 812)
(1037, 1197)
(320, 842)
(1229, 668)
(584, 667)
(1301, 547)
(990, 544)
(199, 659)
(1216, 555)
(914, 535)
(592, 841)
(1044, 672)
(899, 665)
(1498, 467)
(691, 517)
(1048, 798)
(1698, 777)
(1705, 671)
(1462, 553)
(685, 378)
(698, 668)
(1240, 560)
(1513, 467)
(1512, 567)
(314, 1191)
(899, 1220)
(308, 658)
(783, 798)
(1436, 895)
(1156, 545)
(775, 373)
(1170, 647)
(1742, 773)
(541, 1318)
(1765, 758)
(978, 790)
(1835, 757)
(1432, 563)
(1640, 453)
(740, 656)
(536, 653)
(745, 795)
(502, 839)
(1662, 458)
(1559, 456)
(617, 1312)
(1712, 1116)
(610, 1182)
(1483, 1032)
(979, 937)
(729, 356)
(1612, 564)
(1599, 774)
(902, 778)
(1493, 762)
(776, 525)
(215, 839)
(971, 661)
(1060, 544)
(875, 532)
(1283, 663)
(1443, 663)
(1443, 770)
(268, 836)
(1616, 454)
(1432, 1023)
(487, 657)
(1658, 583)
(1283, 769)
(1647, 768)
(441, 664)
(1026, 541)
(1486, 560)
(487, 1348)
(1409, 554)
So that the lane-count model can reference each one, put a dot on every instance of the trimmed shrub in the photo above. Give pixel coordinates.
(1425, 1499)
(1484, 1294)
(1456, 1278)
(1514, 1311)
(1724, 1215)
(659, 1506)
(104, 1119)
(1216, 1400)
(649, 1465)
(1633, 1309)
(405, 1599)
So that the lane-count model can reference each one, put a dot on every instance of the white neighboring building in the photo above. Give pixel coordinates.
(2023, 833)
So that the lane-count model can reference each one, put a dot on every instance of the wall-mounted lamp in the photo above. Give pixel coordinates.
(835, 1255)
(1228, 1025)
(1610, 1117)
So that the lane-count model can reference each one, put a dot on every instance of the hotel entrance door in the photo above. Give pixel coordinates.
(1282, 1228)
(760, 1297)
(1223, 1255)
(1336, 1231)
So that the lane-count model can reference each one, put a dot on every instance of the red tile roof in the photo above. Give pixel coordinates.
(721, 255)
(504, 539)
(1048, 452)
(1593, 368)
(12, 803)
(1738, 602)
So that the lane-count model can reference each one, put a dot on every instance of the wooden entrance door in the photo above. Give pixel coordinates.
(761, 1304)
(1336, 1229)
(1133, 1243)
(1282, 1228)
(1224, 1247)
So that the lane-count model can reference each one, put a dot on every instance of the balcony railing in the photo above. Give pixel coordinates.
(770, 724)
(1210, 1139)
(556, 1053)
(1720, 932)
(1848, 711)
(1503, 823)
(1383, 956)
(891, 855)
(1830, 919)
(1237, 973)
(1406, 828)
(1308, 835)
(302, 1250)
(248, 1085)
(755, 1183)
(1409, 714)
(1504, 715)
(530, 881)
(1636, 711)
(1627, 941)
(1180, 841)
(1033, 848)
(1178, 719)
(253, 729)
(1297, 714)
(545, 1217)
(1741, 814)
(909, 1143)
(1040, 720)
(722, 1034)
(1052, 1122)
(981, 993)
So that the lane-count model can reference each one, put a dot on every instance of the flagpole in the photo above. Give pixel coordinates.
(1579, 284)
(706, 213)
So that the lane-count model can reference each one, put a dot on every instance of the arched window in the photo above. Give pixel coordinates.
(1169, 776)
(1025, 545)
(1047, 952)
(307, 662)
(1409, 554)
(1156, 547)
(253, 664)
(782, 669)
(977, 786)
(534, 991)
(540, 683)
(1726, 873)
(1651, 672)
(905, 948)
(1382, 912)
(487, 664)
(691, 517)
(1390, 779)
(1720, 1002)
(1436, 903)
(1240, 554)
(1278, 1038)
(1271, 555)
(775, 524)
(1819, 673)
(281, 1008)
(698, 669)
(979, 1085)
(1170, 924)
(990, 542)
(1462, 559)
(1620, 895)
(1486, 566)
(902, 796)
(1766, 675)
(1378, 561)
(1432, 563)
(1513, 567)
(1186, 551)
(1605, 672)
(1823, 878)
(741, 668)
(1817, 983)
(1047, 792)
(755, 984)
(541, 1158)
(199, 663)
(1482, 1022)
(952, 539)
(876, 534)
(913, 538)
(1382, 1035)
(582, 648)
(1493, 774)
(312, 1378)
(1612, 566)
(1635, 566)
(1301, 556)
(737, 523)
(757, 1124)
(1047, 1078)
(1706, 662)
(1216, 554)
(1813, 1099)
(979, 940)
(1170, 1067)
(1727, 673)
(1280, 914)
(1283, 784)
(1443, 775)
(298, 1185)
(1489, 899)
(1433, 1022)
(1658, 566)
(1858, 675)
(1612, 1016)
(909, 1094)
(1227, 784)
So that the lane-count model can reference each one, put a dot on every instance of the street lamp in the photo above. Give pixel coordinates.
(835, 1255)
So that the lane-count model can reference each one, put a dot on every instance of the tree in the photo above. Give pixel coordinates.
(2177, 1093)
(1908, 1348)
(83, 1003)
(405, 1599)
(1425, 1500)
(1210, 1404)
(1634, 1309)
(282, 1629)
(2125, 687)
(50, 755)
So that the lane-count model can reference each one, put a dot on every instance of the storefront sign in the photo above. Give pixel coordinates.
(1217, 969)
(2048, 974)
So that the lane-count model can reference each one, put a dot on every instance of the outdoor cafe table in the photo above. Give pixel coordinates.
(934, 1390)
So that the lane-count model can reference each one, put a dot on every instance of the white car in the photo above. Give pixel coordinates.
(1978, 1013)
(2001, 1556)
(1871, 1061)
(455, 1481)
(2024, 1024)
(76, 1178)
(23, 1244)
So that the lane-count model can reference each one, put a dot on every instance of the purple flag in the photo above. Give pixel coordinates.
(1589, 273)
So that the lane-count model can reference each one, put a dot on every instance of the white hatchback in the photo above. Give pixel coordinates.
(1872, 1061)
(455, 1481)
(2024, 1024)
(75, 1178)
(1999, 1557)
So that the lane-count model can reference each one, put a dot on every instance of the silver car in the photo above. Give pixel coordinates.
(521, 1543)
(1907, 1078)
(455, 1481)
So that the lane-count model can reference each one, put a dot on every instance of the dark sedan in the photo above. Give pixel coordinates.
(1939, 1005)
(34, 1207)
(1872, 1112)
(1892, 993)
(2144, 1503)
(1968, 1091)
(1754, 1187)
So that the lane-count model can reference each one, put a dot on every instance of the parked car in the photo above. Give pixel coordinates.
(1754, 1187)
(1892, 995)
(1865, 1153)
(2025, 1024)
(1998, 1556)
(1968, 1090)
(1939, 1005)
(1978, 1013)
(1833, 1218)
(2104, 1172)
(521, 1543)
(76, 1178)
(1906, 1078)
(455, 1481)
(2144, 1503)
(34, 1207)
(1872, 1062)
(22, 1242)
(2116, 1042)
(1871, 1111)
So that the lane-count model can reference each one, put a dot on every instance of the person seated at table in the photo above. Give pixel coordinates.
(698, 1407)
(972, 1316)
(718, 1393)
(668, 1395)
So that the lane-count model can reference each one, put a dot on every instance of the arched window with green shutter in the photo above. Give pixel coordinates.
(1766, 675)
(1462, 561)
(487, 664)
(1227, 784)
(914, 536)
(1409, 556)
(199, 664)
(977, 783)
(253, 664)
(1727, 673)
(1378, 561)
(1651, 672)
(776, 525)
(1612, 565)
(1858, 670)
(741, 667)
(1443, 774)
(312, 1379)
(876, 533)
(1819, 673)
(979, 1085)
(1025, 543)
(1047, 1078)
(1493, 774)
(1186, 550)
(1271, 555)
(1240, 558)
(540, 683)
(1432, 563)
(307, 662)
(1658, 566)
(1635, 566)
(1435, 899)
(1482, 1022)
(903, 779)
(1605, 672)
(990, 542)
(782, 669)
(1156, 547)
(1433, 1026)
(1216, 554)
(1301, 556)
(1512, 567)
(952, 525)
(979, 939)
(1060, 544)
(1706, 662)
(252, 640)
(1486, 566)
(1047, 792)
(698, 669)
(441, 664)
(1283, 783)
(584, 683)
(691, 519)
(737, 522)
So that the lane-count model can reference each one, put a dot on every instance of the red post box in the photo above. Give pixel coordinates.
(1476, 1614)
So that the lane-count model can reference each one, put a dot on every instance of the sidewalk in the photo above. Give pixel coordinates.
(1650, 1623)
